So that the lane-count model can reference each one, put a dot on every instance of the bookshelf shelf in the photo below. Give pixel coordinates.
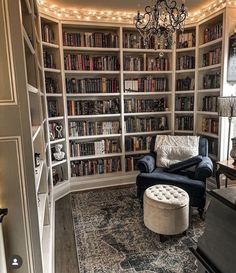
(94, 137)
(28, 42)
(148, 133)
(184, 112)
(55, 118)
(185, 92)
(137, 152)
(208, 134)
(127, 94)
(143, 50)
(54, 94)
(207, 113)
(219, 40)
(82, 95)
(94, 116)
(94, 72)
(50, 45)
(184, 131)
(32, 89)
(95, 156)
(213, 90)
(185, 71)
(147, 113)
(210, 67)
(86, 49)
(127, 72)
(52, 70)
(185, 49)
(57, 141)
(57, 163)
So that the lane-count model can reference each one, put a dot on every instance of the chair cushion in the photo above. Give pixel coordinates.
(173, 149)
(184, 164)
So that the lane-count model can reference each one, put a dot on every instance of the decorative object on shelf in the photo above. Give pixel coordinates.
(58, 154)
(57, 175)
(3, 265)
(227, 108)
(233, 151)
(161, 21)
(231, 73)
(59, 131)
(37, 159)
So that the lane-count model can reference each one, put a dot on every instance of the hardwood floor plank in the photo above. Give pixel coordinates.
(65, 250)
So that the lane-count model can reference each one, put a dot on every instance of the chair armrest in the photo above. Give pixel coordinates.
(147, 163)
(184, 164)
(204, 169)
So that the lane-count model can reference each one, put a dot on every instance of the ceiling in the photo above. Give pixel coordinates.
(128, 5)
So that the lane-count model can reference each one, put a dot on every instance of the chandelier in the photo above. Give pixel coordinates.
(159, 22)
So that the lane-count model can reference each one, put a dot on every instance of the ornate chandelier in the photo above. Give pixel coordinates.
(160, 21)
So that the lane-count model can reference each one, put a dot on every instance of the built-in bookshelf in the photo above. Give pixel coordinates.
(37, 102)
(110, 94)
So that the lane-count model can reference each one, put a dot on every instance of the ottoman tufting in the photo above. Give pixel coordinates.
(166, 209)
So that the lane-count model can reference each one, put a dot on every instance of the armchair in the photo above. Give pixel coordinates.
(190, 175)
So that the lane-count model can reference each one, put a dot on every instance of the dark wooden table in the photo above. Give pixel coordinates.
(228, 169)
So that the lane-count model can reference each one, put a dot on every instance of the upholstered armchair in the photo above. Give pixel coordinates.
(190, 174)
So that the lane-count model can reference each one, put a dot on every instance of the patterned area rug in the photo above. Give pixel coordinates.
(111, 237)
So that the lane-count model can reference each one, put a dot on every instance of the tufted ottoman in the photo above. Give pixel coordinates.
(166, 209)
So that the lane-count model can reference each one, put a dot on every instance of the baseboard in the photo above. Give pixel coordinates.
(74, 184)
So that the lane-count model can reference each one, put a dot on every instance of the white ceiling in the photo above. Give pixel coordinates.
(121, 5)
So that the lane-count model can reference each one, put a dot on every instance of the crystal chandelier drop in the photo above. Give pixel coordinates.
(159, 22)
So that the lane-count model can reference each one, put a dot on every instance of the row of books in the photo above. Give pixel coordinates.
(145, 105)
(213, 146)
(92, 85)
(90, 63)
(146, 84)
(185, 62)
(210, 125)
(135, 40)
(136, 63)
(131, 163)
(209, 103)
(212, 57)
(212, 33)
(211, 81)
(184, 123)
(97, 166)
(185, 40)
(92, 107)
(185, 84)
(140, 143)
(184, 103)
(52, 85)
(92, 128)
(90, 39)
(101, 147)
(53, 110)
(157, 63)
(47, 33)
(48, 59)
(136, 125)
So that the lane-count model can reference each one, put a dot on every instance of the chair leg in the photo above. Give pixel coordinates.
(201, 212)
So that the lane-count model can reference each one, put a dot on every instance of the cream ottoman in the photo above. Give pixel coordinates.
(166, 209)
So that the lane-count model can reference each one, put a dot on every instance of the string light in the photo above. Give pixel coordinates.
(120, 16)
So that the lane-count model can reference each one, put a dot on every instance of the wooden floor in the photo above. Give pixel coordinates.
(65, 251)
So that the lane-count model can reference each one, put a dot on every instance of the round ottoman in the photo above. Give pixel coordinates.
(166, 209)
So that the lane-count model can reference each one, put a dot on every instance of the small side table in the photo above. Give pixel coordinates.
(228, 169)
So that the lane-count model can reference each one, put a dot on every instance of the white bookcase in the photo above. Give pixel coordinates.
(184, 111)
